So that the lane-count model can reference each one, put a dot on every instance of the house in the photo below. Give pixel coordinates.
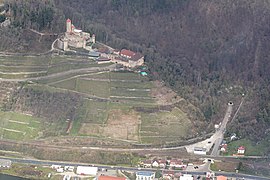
(145, 175)
(127, 53)
(186, 177)
(241, 150)
(209, 175)
(222, 178)
(167, 174)
(162, 163)
(177, 163)
(5, 163)
(155, 163)
(129, 58)
(87, 170)
(111, 178)
(223, 148)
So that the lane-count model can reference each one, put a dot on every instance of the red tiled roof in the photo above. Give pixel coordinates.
(241, 148)
(110, 178)
(176, 161)
(136, 56)
(163, 161)
(126, 52)
(221, 178)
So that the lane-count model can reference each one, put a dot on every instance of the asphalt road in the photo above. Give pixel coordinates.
(45, 162)
(220, 132)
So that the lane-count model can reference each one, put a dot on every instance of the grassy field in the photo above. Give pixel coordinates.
(95, 88)
(17, 126)
(164, 126)
(251, 149)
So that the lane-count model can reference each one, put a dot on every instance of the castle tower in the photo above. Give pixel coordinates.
(72, 28)
(68, 24)
(94, 38)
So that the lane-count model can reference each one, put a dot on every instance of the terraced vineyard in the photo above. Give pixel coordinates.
(104, 104)
(17, 126)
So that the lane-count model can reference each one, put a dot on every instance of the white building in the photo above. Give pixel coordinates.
(87, 170)
(241, 150)
(145, 175)
(200, 151)
(186, 177)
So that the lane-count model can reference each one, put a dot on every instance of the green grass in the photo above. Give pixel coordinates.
(97, 112)
(133, 85)
(18, 126)
(129, 92)
(164, 126)
(95, 88)
(124, 75)
(252, 149)
(67, 84)
(104, 75)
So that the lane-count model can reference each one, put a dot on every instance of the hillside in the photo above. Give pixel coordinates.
(209, 52)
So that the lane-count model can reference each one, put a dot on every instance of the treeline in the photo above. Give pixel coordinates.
(38, 15)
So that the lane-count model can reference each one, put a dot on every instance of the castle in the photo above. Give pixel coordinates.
(74, 38)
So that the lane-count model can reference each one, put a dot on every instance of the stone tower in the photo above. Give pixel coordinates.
(94, 38)
(68, 24)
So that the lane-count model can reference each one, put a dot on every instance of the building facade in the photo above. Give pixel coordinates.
(145, 175)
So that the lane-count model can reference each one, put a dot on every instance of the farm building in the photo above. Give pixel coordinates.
(129, 58)
(87, 170)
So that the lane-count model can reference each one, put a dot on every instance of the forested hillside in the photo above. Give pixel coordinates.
(206, 50)
(203, 49)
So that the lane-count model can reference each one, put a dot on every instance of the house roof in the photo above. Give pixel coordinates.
(163, 161)
(127, 52)
(241, 148)
(221, 178)
(136, 56)
(176, 161)
(110, 178)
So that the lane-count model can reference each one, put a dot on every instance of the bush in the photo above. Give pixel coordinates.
(2, 18)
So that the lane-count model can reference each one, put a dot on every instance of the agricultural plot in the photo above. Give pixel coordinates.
(95, 88)
(17, 126)
(164, 126)
(125, 75)
(69, 84)
(22, 67)
(96, 112)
